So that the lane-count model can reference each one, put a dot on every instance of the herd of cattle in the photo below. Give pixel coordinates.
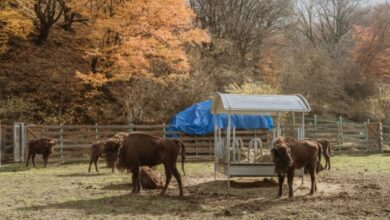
(139, 153)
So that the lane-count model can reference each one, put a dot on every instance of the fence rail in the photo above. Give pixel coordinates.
(74, 140)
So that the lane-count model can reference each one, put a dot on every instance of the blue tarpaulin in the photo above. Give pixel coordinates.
(198, 120)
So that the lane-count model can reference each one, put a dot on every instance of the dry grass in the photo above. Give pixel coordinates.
(356, 188)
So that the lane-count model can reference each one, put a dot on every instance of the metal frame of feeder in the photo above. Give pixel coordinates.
(227, 149)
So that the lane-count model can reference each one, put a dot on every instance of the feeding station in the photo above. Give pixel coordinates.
(228, 149)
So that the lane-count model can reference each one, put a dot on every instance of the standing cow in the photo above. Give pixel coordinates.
(42, 146)
(111, 148)
(290, 154)
(326, 152)
(108, 149)
(97, 150)
(140, 149)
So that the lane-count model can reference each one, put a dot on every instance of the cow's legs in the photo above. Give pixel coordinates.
(329, 162)
(177, 176)
(28, 158)
(139, 186)
(45, 158)
(33, 159)
(281, 180)
(90, 164)
(168, 175)
(135, 175)
(290, 179)
(313, 179)
(96, 162)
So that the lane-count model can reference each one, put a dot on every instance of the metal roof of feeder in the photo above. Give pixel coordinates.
(258, 104)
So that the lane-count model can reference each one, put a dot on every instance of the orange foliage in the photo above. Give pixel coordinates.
(372, 50)
(152, 34)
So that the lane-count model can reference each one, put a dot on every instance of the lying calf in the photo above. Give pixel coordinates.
(290, 154)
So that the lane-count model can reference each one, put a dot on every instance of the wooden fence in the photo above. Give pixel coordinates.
(74, 140)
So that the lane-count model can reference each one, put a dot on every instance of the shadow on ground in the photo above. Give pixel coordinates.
(6, 168)
(199, 197)
(132, 204)
(80, 175)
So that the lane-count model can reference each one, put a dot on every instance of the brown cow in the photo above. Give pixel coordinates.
(111, 148)
(290, 154)
(140, 149)
(326, 152)
(42, 146)
(97, 150)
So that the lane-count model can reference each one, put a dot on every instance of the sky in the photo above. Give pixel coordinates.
(373, 2)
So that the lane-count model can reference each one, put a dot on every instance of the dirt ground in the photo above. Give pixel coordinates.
(357, 187)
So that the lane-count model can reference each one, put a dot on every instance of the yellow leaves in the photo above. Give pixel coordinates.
(153, 36)
(253, 88)
(95, 79)
(16, 23)
(195, 36)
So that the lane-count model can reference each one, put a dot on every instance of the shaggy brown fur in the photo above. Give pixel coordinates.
(140, 149)
(42, 146)
(290, 154)
(326, 152)
(111, 148)
(151, 178)
(97, 150)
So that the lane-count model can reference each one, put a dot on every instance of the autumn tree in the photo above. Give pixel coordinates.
(373, 42)
(150, 59)
(71, 17)
(246, 23)
(48, 12)
(319, 41)
(327, 21)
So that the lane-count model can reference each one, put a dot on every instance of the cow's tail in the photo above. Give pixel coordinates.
(183, 154)
(319, 154)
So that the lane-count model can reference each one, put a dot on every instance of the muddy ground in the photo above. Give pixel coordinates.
(358, 187)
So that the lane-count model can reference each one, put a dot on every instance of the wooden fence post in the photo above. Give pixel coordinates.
(366, 134)
(340, 132)
(62, 141)
(315, 126)
(96, 132)
(380, 138)
(1, 144)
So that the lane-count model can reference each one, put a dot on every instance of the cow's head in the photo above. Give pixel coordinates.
(111, 149)
(50, 144)
(281, 154)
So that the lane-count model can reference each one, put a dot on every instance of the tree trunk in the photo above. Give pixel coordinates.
(43, 34)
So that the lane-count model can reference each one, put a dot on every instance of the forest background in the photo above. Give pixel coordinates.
(141, 61)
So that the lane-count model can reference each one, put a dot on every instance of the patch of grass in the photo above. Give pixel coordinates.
(362, 163)
(69, 191)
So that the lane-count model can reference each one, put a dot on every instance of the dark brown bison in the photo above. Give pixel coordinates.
(42, 146)
(97, 150)
(326, 152)
(140, 149)
(290, 154)
(111, 148)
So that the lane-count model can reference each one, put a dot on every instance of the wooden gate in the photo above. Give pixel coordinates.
(375, 137)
